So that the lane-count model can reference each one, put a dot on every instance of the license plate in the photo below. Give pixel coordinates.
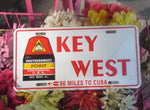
(76, 58)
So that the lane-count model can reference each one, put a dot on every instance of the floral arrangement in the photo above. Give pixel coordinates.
(98, 14)
(109, 14)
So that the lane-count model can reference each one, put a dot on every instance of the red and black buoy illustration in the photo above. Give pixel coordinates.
(39, 60)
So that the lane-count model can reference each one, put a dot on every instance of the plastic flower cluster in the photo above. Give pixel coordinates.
(82, 100)
(142, 94)
(8, 98)
(109, 14)
(106, 99)
(62, 19)
(118, 99)
(6, 50)
(43, 100)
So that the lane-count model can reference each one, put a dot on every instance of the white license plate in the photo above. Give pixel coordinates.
(76, 58)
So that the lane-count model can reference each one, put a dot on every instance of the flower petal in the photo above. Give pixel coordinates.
(1, 105)
(117, 16)
(130, 18)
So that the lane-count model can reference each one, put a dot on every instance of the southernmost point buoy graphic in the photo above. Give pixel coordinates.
(39, 60)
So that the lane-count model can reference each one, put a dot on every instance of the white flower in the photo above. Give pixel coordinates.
(112, 98)
(62, 19)
(127, 103)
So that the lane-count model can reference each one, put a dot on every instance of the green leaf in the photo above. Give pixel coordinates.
(5, 100)
(55, 97)
(45, 105)
(38, 96)
(25, 107)
(42, 100)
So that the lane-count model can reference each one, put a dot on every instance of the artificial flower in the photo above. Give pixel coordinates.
(114, 7)
(6, 48)
(109, 14)
(6, 81)
(6, 88)
(103, 17)
(113, 98)
(4, 57)
(97, 19)
(2, 106)
(43, 100)
(15, 101)
(62, 19)
(127, 103)
(8, 103)
(26, 95)
(96, 6)
(110, 8)
(83, 99)
(85, 12)
(93, 15)
(124, 18)
(4, 99)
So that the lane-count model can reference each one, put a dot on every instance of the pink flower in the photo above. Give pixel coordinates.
(5, 60)
(114, 7)
(85, 12)
(6, 52)
(2, 106)
(16, 101)
(11, 93)
(96, 6)
(6, 88)
(6, 80)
